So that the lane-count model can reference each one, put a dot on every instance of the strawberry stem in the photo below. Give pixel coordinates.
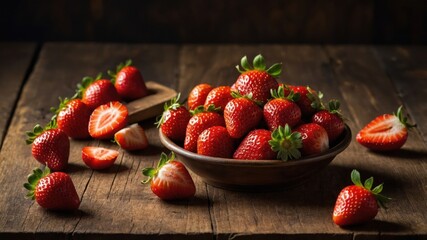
(403, 118)
(286, 143)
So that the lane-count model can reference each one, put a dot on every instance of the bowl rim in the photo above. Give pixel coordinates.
(330, 153)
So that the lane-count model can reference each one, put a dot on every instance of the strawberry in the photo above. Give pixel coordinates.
(257, 80)
(128, 81)
(72, 117)
(54, 191)
(331, 120)
(170, 180)
(201, 120)
(216, 142)
(286, 143)
(219, 97)
(98, 157)
(132, 138)
(255, 146)
(358, 203)
(314, 138)
(309, 100)
(241, 115)
(386, 132)
(107, 119)
(96, 91)
(198, 95)
(282, 110)
(173, 122)
(50, 146)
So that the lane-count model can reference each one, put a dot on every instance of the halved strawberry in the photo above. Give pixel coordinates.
(132, 138)
(386, 132)
(107, 119)
(170, 180)
(98, 157)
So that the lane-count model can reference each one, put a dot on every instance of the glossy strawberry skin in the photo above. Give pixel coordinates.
(52, 148)
(241, 116)
(215, 142)
(175, 123)
(74, 119)
(259, 83)
(314, 139)
(332, 123)
(198, 95)
(197, 124)
(56, 191)
(107, 119)
(255, 146)
(304, 101)
(98, 158)
(100, 92)
(130, 84)
(279, 112)
(219, 97)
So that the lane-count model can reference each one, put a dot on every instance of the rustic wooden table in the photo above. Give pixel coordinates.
(368, 80)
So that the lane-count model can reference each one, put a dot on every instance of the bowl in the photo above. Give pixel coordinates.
(256, 175)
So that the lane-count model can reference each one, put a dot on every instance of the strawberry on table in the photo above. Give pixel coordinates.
(215, 142)
(107, 119)
(386, 132)
(219, 97)
(309, 101)
(198, 95)
(170, 180)
(53, 191)
(314, 138)
(256, 79)
(98, 158)
(132, 138)
(357, 203)
(50, 146)
(255, 146)
(96, 91)
(128, 81)
(173, 122)
(331, 120)
(72, 117)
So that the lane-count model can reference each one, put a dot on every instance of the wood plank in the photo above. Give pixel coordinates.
(15, 60)
(114, 203)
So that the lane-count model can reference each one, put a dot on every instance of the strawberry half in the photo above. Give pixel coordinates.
(357, 203)
(98, 157)
(170, 180)
(54, 191)
(128, 81)
(107, 119)
(72, 117)
(132, 138)
(198, 94)
(386, 132)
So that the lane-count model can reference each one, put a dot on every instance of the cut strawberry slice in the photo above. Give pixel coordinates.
(107, 119)
(132, 138)
(99, 157)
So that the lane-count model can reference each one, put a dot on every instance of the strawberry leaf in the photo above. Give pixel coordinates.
(286, 143)
(355, 178)
(33, 180)
(259, 62)
(275, 70)
(368, 183)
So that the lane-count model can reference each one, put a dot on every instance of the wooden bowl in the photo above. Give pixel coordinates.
(255, 175)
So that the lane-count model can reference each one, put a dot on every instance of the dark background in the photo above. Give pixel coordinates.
(210, 21)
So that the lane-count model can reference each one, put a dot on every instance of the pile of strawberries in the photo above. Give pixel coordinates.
(95, 111)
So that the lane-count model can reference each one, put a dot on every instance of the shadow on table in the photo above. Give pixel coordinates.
(378, 225)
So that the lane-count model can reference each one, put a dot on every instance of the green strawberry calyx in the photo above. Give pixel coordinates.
(173, 104)
(151, 172)
(334, 108)
(86, 81)
(286, 143)
(259, 64)
(403, 118)
(33, 180)
(38, 130)
(119, 67)
(381, 199)
(280, 93)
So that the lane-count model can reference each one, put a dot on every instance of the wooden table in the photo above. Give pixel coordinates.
(368, 80)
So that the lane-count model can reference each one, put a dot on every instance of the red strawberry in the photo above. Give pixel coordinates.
(72, 117)
(282, 110)
(309, 100)
(257, 80)
(98, 157)
(219, 97)
(199, 122)
(216, 142)
(107, 119)
(174, 120)
(198, 95)
(241, 116)
(128, 81)
(95, 92)
(54, 191)
(170, 180)
(358, 203)
(50, 146)
(314, 138)
(331, 120)
(255, 146)
(386, 132)
(132, 138)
